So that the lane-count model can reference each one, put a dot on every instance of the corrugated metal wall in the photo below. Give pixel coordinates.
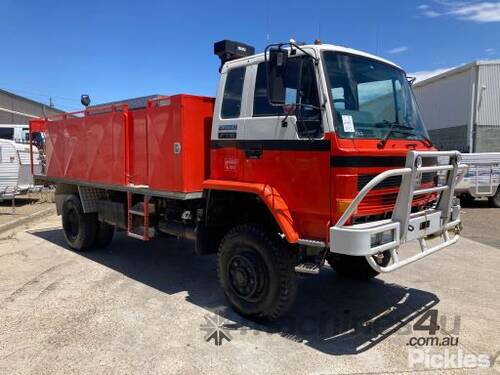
(446, 102)
(487, 138)
(488, 105)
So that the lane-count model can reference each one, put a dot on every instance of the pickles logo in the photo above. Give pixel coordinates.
(215, 329)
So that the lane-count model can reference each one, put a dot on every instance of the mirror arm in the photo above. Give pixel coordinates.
(315, 59)
(292, 45)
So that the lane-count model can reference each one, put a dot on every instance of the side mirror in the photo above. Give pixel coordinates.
(276, 75)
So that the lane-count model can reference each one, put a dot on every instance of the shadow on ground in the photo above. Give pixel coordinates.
(19, 202)
(476, 203)
(331, 314)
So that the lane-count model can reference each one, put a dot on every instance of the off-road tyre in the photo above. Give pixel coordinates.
(80, 229)
(355, 267)
(248, 252)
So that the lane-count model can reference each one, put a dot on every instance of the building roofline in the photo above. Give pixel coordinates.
(2, 91)
(457, 70)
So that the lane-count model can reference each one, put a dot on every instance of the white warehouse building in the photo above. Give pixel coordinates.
(461, 107)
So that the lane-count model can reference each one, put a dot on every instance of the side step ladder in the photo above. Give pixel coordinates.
(138, 216)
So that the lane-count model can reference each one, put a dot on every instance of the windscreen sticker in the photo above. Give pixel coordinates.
(348, 124)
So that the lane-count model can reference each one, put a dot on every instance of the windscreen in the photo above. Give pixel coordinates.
(369, 96)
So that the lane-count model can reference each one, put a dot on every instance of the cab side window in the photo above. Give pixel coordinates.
(304, 93)
(233, 89)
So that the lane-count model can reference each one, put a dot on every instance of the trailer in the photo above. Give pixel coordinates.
(16, 175)
(482, 179)
(308, 154)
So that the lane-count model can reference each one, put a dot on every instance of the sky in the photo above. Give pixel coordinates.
(113, 50)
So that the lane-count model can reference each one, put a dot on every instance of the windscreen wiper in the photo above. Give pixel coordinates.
(393, 125)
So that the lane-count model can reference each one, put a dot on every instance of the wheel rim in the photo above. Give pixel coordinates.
(246, 276)
(72, 223)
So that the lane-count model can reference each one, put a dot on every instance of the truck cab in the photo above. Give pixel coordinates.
(343, 118)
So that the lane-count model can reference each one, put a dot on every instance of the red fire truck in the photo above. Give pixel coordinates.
(308, 153)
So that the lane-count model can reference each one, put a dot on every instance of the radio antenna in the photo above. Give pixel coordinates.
(268, 27)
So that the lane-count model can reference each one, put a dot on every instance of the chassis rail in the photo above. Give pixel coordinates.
(369, 239)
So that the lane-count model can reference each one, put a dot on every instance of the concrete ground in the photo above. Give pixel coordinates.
(147, 308)
(481, 222)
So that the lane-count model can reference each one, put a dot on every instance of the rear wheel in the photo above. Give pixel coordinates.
(80, 229)
(256, 272)
(357, 267)
(495, 200)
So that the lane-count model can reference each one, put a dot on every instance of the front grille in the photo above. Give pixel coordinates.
(382, 198)
(391, 182)
(379, 200)
(385, 202)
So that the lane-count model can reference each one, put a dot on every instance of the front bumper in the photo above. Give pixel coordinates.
(369, 239)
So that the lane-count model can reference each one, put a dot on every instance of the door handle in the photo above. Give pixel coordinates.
(253, 153)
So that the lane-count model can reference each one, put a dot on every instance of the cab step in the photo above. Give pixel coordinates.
(308, 268)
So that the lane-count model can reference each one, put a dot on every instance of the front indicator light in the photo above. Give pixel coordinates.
(342, 205)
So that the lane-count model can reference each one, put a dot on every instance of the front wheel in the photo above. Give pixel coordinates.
(356, 267)
(256, 272)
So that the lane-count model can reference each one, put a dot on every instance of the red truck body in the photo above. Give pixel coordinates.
(117, 146)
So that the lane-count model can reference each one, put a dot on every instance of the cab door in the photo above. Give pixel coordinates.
(228, 125)
(290, 152)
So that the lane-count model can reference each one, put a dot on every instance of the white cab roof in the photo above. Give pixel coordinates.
(319, 48)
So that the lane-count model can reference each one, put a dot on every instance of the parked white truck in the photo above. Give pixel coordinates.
(482, 178)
